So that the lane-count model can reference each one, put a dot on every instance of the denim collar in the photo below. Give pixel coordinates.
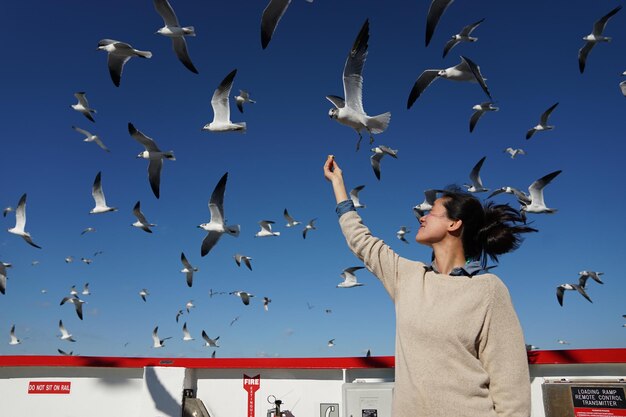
(470, 269)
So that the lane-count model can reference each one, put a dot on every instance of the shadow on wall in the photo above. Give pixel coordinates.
(163, 401)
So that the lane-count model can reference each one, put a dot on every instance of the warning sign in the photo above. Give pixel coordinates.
(251, 385)
(49, 387)
(599, 401)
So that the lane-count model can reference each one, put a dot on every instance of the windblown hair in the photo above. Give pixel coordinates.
(487, 230)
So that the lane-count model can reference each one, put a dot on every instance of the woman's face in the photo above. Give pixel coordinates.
(434, 225)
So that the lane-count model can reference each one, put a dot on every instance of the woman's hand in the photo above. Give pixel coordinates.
(333, 173)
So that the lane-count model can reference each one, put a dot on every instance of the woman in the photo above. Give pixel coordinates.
(459, 345)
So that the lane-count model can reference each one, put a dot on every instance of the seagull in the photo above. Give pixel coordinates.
(65, 335)
(435, 11)
(354, 196)
(3, 278)
(141, 222)
(272, 14)
(78, 304)
(233, 321)
(543, 123)
(400, 234)
(622, 87)
(189, 305)
(464, 36)
(69, 259)
(239, 258)
(560, 290)
(83, 106)
(186, 335)
(290, 220)
(331, 343)
(309, 226)
(86, 260)
(266, 229)
(85, 290)
(14, 339)
(514, 152)
(154, 155)
(532, 347)
(563, 342)
(156, 342)
(521, 196)
(349, 279)
(6, 211)
(87, 230)
(585, 275)
(221, 110)
(216, 227)
(379, 152)
(73, 290)
(467, 70)
(208, 341)
(177, 33)
(91, 138)
(479, 110)
(143, 294)
(536, 195)
(64, 353)
(98, 197)
(266, 303)
(118, 54)
(349, 111)
(245, 296)
(430, 196)
(188, 269)
(20, 222)
(178, 314)
(242, 98)
(594, 37)
(477, 183)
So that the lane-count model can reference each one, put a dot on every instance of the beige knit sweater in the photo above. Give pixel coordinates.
(459, 345)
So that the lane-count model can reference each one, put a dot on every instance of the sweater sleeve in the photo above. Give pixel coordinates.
(377, 256)
(503, 354)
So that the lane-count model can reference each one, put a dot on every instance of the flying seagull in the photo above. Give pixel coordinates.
(594, 37)
(242, 98)
(141, 223)
(65, 335)
(543, 123)
(245, 296)
(349, 279)
(177, 33)
(13, 339)
(479, 110)
(188, 269)
(98, 197)
(463, 36)
(560, 290)
(522, 197)
(378, 154)
(266, 229)
(435, 11)
(83, 106)
(354, 196)
(3, 278)
(118, 54)
(309, 226)
(20, 222)
(239, 258)
(156, 342)
(537, 204)
(429, 199)
(144, 293)
(585, 275)
(221, 109)
(514, 152)
(290, 220)
(266, 303)
(477, 183)
(7, 210)
(87, 230)
(208, 341)
(622, 85)
(78, 304)
(186, 335)
(153, 154)
(272, 14)
(401, 233)
(349, 111)
(216, 227)
(467, 70)
(90, 137)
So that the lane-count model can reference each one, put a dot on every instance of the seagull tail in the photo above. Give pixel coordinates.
(189, 31)
(242, 127)
(143, 54)
(378, 124)
(169, 155)
(233, 230)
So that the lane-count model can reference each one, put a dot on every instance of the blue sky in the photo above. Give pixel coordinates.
(528, 53)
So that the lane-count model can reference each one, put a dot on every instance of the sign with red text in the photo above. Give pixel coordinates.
(599, 401)
(251, 385)
(49, 387)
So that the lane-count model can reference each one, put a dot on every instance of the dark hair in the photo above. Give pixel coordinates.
(487, 231)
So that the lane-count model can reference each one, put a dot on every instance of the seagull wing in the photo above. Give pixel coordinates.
(582, 55)
(475, 173)
(137, 212)
(476, 71)
(375, 161)
(164, 8)
(217, 199)
(209, 241)
(337, 101)
(422, 82)
(180, 48)
(116, 66)
(154, 175)
(353, 70)
(559, 294)
(147, 142)
(83, 131)
(536, 188)
(546, 114)
(449, 45)
(219, 102)
(474, 119)
(270, 18)
(96, 191)
(467, 30)
(600, 24)
(20, 214)
(581, 291)
(435, 11)
(3, 278)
